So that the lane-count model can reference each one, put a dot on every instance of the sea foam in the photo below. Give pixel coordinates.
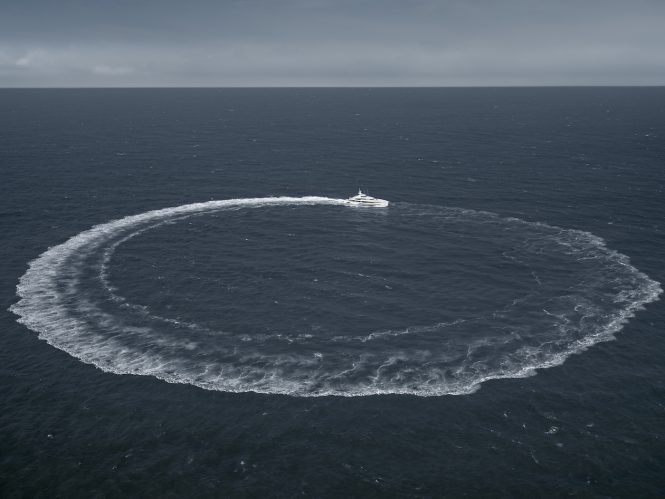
(54, 303)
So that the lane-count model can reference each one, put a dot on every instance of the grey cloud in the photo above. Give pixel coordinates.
(325, 42)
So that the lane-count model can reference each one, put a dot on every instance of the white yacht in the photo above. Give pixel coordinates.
(362, 199)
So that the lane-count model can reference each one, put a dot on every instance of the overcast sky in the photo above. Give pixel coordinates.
(45, 43)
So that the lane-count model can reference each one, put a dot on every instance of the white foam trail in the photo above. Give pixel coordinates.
(400, 332)
(45, 307)
(51, 303)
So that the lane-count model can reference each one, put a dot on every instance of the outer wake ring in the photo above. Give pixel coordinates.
(51, 305)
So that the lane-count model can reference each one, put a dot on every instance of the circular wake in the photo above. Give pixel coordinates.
(418, 300)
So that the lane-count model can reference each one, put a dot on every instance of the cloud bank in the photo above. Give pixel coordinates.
(331, 43)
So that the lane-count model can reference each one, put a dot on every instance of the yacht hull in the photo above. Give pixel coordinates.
(378, 203)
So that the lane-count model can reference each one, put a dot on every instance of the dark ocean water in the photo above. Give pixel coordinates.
(496, 331)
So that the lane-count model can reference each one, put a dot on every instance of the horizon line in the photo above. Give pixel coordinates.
(275, 87)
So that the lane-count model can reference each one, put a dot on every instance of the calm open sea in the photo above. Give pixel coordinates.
(189, 309)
